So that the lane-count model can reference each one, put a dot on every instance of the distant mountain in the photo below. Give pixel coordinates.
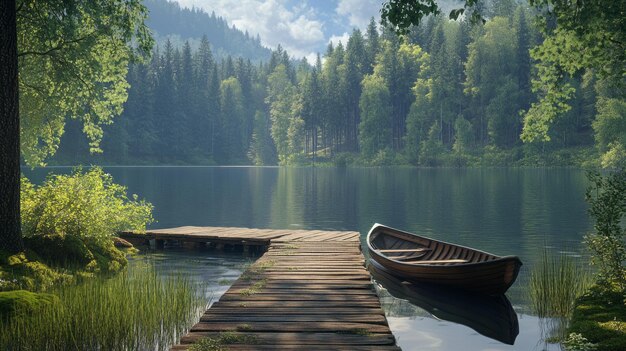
(169, 21)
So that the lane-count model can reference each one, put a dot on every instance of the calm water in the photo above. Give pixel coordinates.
(504, 211)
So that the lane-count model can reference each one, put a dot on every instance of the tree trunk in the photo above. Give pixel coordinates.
(10, 230)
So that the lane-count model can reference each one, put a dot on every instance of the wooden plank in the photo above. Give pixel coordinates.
(403, 250)
(321, 277)
(297, 295)
(217, 326)
(351, 318)
(437, 261)
(300, 291)
(269, 311)
(303, 338)
(301, 348)
(299, 304)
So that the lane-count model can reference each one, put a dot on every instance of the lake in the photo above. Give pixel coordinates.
(500, 210)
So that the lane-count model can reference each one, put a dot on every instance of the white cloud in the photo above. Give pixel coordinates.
(335, 39)
(359, 12)
(296, 28)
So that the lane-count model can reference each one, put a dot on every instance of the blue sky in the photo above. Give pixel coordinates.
(302, 27)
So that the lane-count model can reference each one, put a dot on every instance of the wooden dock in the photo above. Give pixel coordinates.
(309, 291)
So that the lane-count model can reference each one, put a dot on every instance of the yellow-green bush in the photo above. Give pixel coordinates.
(82, 204)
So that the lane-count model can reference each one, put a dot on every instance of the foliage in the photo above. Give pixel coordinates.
(606, 196)
(60, 250)
(73, 59)
(23, 301)
(232, 112)
(54, 260)
(84, 204)
(495, 156)
(555, 284)
(188, 107)
(134, 310)
(577, 342)
(431, 148)
(600, 317)
(401, 14)
(281, 99)
(262, 148)
(374, 133)
(464, 135)
(610, 131)
(24, 271)
(586, 36)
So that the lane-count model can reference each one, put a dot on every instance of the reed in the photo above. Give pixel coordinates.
(555, 283)
(135, 310)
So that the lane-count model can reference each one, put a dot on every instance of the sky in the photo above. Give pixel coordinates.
(302, 27)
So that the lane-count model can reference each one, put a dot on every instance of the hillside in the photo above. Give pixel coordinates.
(169, 21)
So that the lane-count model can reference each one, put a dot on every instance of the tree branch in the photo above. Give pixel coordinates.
(53, 49)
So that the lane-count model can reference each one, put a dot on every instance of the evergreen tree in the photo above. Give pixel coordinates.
(372, 45)
(374, 128)
(262, 149)
(232, 136)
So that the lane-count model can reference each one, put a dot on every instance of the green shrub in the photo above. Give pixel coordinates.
(495, 156)
(22, 271)
(577, 342)
(607, 206)
(60, 250)
(86, 205)
(108, 258)
(343, 159)
(23, 301)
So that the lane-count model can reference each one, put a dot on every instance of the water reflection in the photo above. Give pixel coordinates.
(491, 316)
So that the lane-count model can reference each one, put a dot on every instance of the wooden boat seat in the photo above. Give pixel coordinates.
(439, 261)
(403, 250)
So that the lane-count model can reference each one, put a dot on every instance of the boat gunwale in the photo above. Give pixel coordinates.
(378, 226)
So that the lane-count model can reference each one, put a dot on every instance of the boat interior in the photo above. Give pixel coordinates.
(412, 249)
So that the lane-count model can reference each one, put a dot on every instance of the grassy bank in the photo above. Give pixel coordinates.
(134, 310)
(600, 317)
(53, 260)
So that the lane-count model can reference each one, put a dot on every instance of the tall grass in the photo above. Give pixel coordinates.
(136, 310)
(555, 283)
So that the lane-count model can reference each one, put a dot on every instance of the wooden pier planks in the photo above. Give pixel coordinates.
(309, 291)
(248, 236)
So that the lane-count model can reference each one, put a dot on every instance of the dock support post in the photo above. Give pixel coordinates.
(160, 244)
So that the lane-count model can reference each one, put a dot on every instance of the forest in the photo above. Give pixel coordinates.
(449, 93)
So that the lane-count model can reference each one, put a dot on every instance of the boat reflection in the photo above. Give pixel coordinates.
(491, 316)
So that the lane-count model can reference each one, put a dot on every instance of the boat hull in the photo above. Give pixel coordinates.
(480, 272)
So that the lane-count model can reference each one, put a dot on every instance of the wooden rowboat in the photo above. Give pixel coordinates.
(420, 259)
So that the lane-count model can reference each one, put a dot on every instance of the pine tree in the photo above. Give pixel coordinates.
(375, 105)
